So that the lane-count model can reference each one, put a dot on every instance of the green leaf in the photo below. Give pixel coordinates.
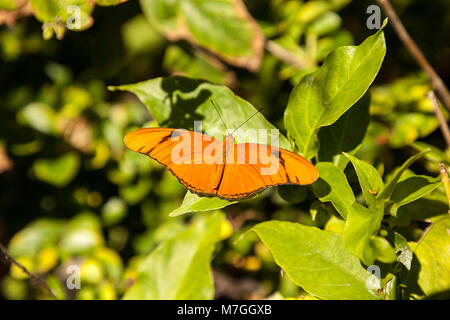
(322, 97)
(223, 27)
(359, 235)
(333, 186)
(411, 189)
(390, 185)
(316, 260)
(346, 134)
(59, 171)
(179, 268)
(176, 102)
(369, 180)
(433, 254)
(194, 203)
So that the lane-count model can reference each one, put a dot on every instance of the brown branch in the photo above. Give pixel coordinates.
(417, 54)
(442, 122)
(284, 55)
(34, 278)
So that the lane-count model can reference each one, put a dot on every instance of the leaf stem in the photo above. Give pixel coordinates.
(417, 54)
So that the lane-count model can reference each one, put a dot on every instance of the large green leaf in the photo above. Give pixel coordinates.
(177, 102)
(320, 98)
(333, 186)
(433, 254)
(194, 203)
(179, 268)
(346, 134)
(360, 235)
(369, 180)
(222, 26)
(316, 260)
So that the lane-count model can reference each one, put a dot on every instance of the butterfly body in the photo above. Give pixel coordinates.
(223, 169)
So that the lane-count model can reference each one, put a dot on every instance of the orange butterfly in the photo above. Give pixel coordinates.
(223, 169)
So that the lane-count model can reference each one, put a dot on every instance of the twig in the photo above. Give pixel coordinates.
(412, 47)
(284, 55)
(34, 278)
(446, 182)
(442, 122)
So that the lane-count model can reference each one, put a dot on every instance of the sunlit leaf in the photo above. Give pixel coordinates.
(433, 254)
(315, 260)
(320, 98)
(176, 102)
(180, 267)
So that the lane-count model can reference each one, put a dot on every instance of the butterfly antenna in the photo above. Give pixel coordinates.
(247, 120)
(220, 116)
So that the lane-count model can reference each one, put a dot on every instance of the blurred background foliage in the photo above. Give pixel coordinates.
(72, 194)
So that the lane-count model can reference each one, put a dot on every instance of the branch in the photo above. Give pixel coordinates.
(34, 278)
(417, 54)
(442, 122)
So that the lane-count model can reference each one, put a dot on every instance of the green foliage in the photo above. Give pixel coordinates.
(76, 196)
(320, 98)
(223, 27)
(179, 268)
(316, 260)
(432, 252)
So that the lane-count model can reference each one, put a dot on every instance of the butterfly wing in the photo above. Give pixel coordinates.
(250, 169)
(191, 166)
(256, 167)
